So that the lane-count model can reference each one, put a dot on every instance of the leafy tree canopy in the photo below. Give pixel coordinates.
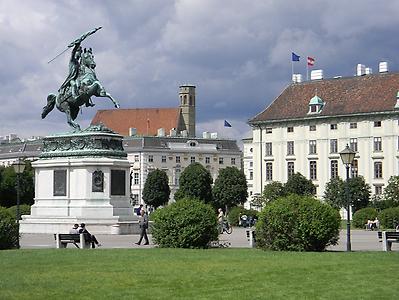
(156, 188)
(334, 193)
(195, 182)
(391, 192)
(230, 188)
(299, 185)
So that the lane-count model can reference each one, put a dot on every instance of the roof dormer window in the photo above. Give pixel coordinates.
(316, 105)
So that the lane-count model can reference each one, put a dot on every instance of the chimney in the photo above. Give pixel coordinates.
(206, 135)
(161, 132)
(369, 71)
(383, 67)
(297, 78)
(132, 131)
(316, 74)
(360, 70)
(173, 132)
(214, 135)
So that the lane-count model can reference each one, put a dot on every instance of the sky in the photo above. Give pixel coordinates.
(236, 52)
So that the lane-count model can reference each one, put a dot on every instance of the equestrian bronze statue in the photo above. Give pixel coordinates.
(80, 84)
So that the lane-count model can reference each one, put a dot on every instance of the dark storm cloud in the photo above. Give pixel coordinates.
(237, 53)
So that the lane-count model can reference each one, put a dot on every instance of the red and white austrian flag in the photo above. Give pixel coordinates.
(310, 61)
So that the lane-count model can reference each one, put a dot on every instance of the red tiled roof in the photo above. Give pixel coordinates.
(147, 121)
(342, 96)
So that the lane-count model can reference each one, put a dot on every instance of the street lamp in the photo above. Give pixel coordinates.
(347, 157)
(19, 167)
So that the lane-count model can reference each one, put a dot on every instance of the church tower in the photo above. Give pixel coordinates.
(187, 109)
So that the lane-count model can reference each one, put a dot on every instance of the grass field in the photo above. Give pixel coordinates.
(196, 274)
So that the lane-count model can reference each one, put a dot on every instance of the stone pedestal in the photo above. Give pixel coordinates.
(82, 177)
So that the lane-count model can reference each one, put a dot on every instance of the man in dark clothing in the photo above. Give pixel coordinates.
(92, 238)
(143, 222)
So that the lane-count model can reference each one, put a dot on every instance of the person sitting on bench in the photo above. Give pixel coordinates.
(92, 238)
(74, 229)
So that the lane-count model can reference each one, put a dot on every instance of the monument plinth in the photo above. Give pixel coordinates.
(81, 177)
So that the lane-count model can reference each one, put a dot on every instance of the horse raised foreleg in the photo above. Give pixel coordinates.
(107, 95)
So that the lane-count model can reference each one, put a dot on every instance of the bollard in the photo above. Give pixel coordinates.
(251, 237)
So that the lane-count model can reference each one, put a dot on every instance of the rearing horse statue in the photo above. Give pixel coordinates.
(79, 86)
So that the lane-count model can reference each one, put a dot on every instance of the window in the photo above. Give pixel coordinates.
(251, 175)
(136, 178)
(353, 144)
(378, 190)
(334, 168)
(290, 129)
(312, 147)
(163, 158)
(207, 160)
(251, 164)
(269, 151)
(290, 148)
(192, 159)
(377, 123)
(269, 171)
(313, 108)
(355, 167)
(290, 168)
(136, 158)
(398, 142)
(378, 169)
(178, 159)
(353, 125)
(150, 158)
(221, 160)
(334, 146)
(251, 150)
(313, 170)
(377, 144)
(269, 130)
(233, 161)
(333, 126)
(312, 128)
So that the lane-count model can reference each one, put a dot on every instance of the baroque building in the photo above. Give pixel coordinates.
(309, 123)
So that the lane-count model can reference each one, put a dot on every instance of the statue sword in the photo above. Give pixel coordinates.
(78, 40)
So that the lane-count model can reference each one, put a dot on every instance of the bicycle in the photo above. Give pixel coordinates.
(225, 227)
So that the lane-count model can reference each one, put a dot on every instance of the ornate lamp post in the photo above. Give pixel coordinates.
(19, 167)
(347, 157)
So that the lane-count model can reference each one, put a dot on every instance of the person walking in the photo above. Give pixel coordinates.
(143, 223)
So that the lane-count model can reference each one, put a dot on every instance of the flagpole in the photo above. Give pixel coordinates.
(307, 70)
(292, 69)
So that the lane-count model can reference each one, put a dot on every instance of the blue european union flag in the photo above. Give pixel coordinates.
(295, 57)
(226, 124)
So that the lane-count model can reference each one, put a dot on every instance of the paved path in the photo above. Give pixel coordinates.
(361, 241)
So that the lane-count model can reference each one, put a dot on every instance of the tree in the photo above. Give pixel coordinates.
(334, 193)
(391, 192)
(8, 183)
(299, 185)
(273, 191)
(358, 191)
(230, 188)
(156, 188)
(195, 182)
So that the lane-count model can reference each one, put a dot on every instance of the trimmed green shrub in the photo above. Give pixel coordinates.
(234, 214)
(361, 216)
(389, 217)
(186, 223)
(297, 223)
(24, 209)
(8, 230)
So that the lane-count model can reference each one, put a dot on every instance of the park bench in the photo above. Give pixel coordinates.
(63, 239)
(387, 238)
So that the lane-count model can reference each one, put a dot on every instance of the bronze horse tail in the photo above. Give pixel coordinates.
(50, 105)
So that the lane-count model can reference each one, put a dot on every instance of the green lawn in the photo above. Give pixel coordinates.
(196, 274)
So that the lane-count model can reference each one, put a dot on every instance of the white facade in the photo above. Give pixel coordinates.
(173, 155)
(312, 148)
(248, 166)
